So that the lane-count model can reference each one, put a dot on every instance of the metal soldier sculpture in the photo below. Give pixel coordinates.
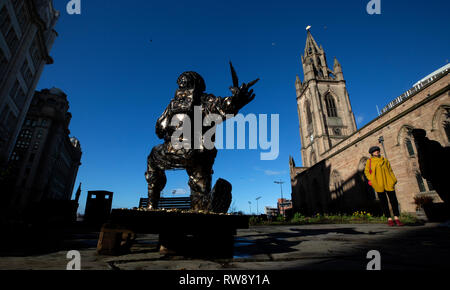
(198, 162)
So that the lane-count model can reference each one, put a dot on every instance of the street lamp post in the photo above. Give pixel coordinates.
(257, 208)
(250, 206)
(281, 186)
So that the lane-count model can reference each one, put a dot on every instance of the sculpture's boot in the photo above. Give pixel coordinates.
(200, 201)
(200, 184)
(156, 180)
(153, 198)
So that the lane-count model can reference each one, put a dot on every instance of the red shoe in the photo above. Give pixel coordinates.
(390, 223)
(399, 223)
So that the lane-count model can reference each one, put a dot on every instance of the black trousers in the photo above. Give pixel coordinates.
(383, 196)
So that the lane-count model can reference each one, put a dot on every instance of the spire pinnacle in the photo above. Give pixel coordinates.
(336, 62)
(311, 45)
(298, 83)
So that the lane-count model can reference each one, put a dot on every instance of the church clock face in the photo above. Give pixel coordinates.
(337, 131)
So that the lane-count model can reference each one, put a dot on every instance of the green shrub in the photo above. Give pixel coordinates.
(254, 220)
(356, 217)
(280, 218)
(298, 218)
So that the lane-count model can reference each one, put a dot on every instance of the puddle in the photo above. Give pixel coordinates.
(239, 252)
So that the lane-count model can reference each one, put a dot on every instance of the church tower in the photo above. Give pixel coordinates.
(324, 109)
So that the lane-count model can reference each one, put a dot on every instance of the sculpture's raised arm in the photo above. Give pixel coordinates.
(241, 96)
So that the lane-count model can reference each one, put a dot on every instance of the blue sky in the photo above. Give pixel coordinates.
(119, 60)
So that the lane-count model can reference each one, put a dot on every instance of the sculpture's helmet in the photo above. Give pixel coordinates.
(191, 80)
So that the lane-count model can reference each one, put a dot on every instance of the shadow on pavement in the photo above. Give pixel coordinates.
(275, 243)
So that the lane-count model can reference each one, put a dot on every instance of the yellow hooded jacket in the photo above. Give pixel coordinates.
(382, 176)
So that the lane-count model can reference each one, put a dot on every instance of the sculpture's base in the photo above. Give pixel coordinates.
(185, 233)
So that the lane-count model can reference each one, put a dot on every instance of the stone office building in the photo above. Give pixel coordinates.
(26, 37)
(45, 159)
(334, 152)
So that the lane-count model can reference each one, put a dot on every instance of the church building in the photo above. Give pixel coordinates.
(334, 152)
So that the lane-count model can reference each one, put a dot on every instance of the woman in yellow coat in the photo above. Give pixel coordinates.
(381, 177)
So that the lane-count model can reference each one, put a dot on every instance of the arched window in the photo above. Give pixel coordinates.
(320, 73)
(420, 182)
(308, 112)
(409, 147)
(331, 106)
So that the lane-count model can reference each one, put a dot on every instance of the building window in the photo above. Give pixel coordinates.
(26, 73)
(14, 89)
(16, 93)
(4, 114)
(12, 40)
(35, 53)
(5, 20)
(308, 112)
(20, 99)
(11, 121)
(20, 14)
(309, 119)
(331, 106)
(26, 134)
(3, 65)
(14, 156)
(8, 30)
(23, 143)
(420, 182)
(409, 147)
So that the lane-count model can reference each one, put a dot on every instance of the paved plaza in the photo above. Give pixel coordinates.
(289, 247)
